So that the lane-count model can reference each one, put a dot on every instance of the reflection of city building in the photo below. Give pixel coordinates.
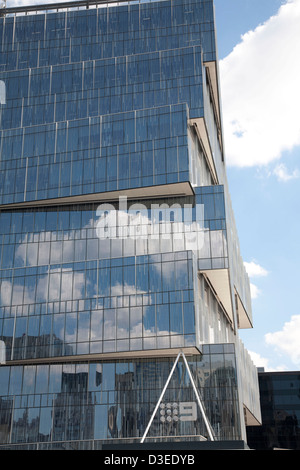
(73, 411)
(118, 247)
(126, 398)
(6, 405)
(280, 410)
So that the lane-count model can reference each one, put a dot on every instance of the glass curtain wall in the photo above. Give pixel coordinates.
(101, 401)
(96, 104)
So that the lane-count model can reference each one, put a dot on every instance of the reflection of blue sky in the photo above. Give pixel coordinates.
(36, 249)
(66, 263)
(71, 282)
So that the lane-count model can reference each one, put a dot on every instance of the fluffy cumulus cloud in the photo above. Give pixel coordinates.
(286, 340)
(254, 290)
(254, 270)
(264, 362)
(261, 93)
(258, 360)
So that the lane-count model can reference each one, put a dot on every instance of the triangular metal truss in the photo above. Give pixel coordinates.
(206, 421)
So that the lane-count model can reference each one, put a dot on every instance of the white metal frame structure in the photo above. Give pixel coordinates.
(206, 421)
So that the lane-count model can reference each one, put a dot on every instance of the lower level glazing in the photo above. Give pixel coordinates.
(91, 403)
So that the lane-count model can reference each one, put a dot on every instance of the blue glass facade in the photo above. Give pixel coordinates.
(117, 240)
(95, 402)
(99, 111)
(96, 154)
(57, 275)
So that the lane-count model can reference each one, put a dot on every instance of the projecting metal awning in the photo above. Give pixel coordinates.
(220, 283)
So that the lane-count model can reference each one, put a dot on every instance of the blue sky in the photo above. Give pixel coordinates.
(259, 45)
(259, 50)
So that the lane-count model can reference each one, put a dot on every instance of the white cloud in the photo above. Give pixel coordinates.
(254, 290)
(287, 340)
(282, 174)
(260, 361)
(260, 91)
(255, 270)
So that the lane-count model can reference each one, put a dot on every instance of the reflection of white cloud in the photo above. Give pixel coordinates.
(66, 285)
(118, 290)
(260, 90)
(18, 295)
(6, 288)
(53, 286)
(118, 323)
(116, 240)
(2, 92)
(163, 226)
(287, 339)
(42, 253)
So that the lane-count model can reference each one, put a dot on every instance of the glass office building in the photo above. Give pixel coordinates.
(118, 247)
(280, 409)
